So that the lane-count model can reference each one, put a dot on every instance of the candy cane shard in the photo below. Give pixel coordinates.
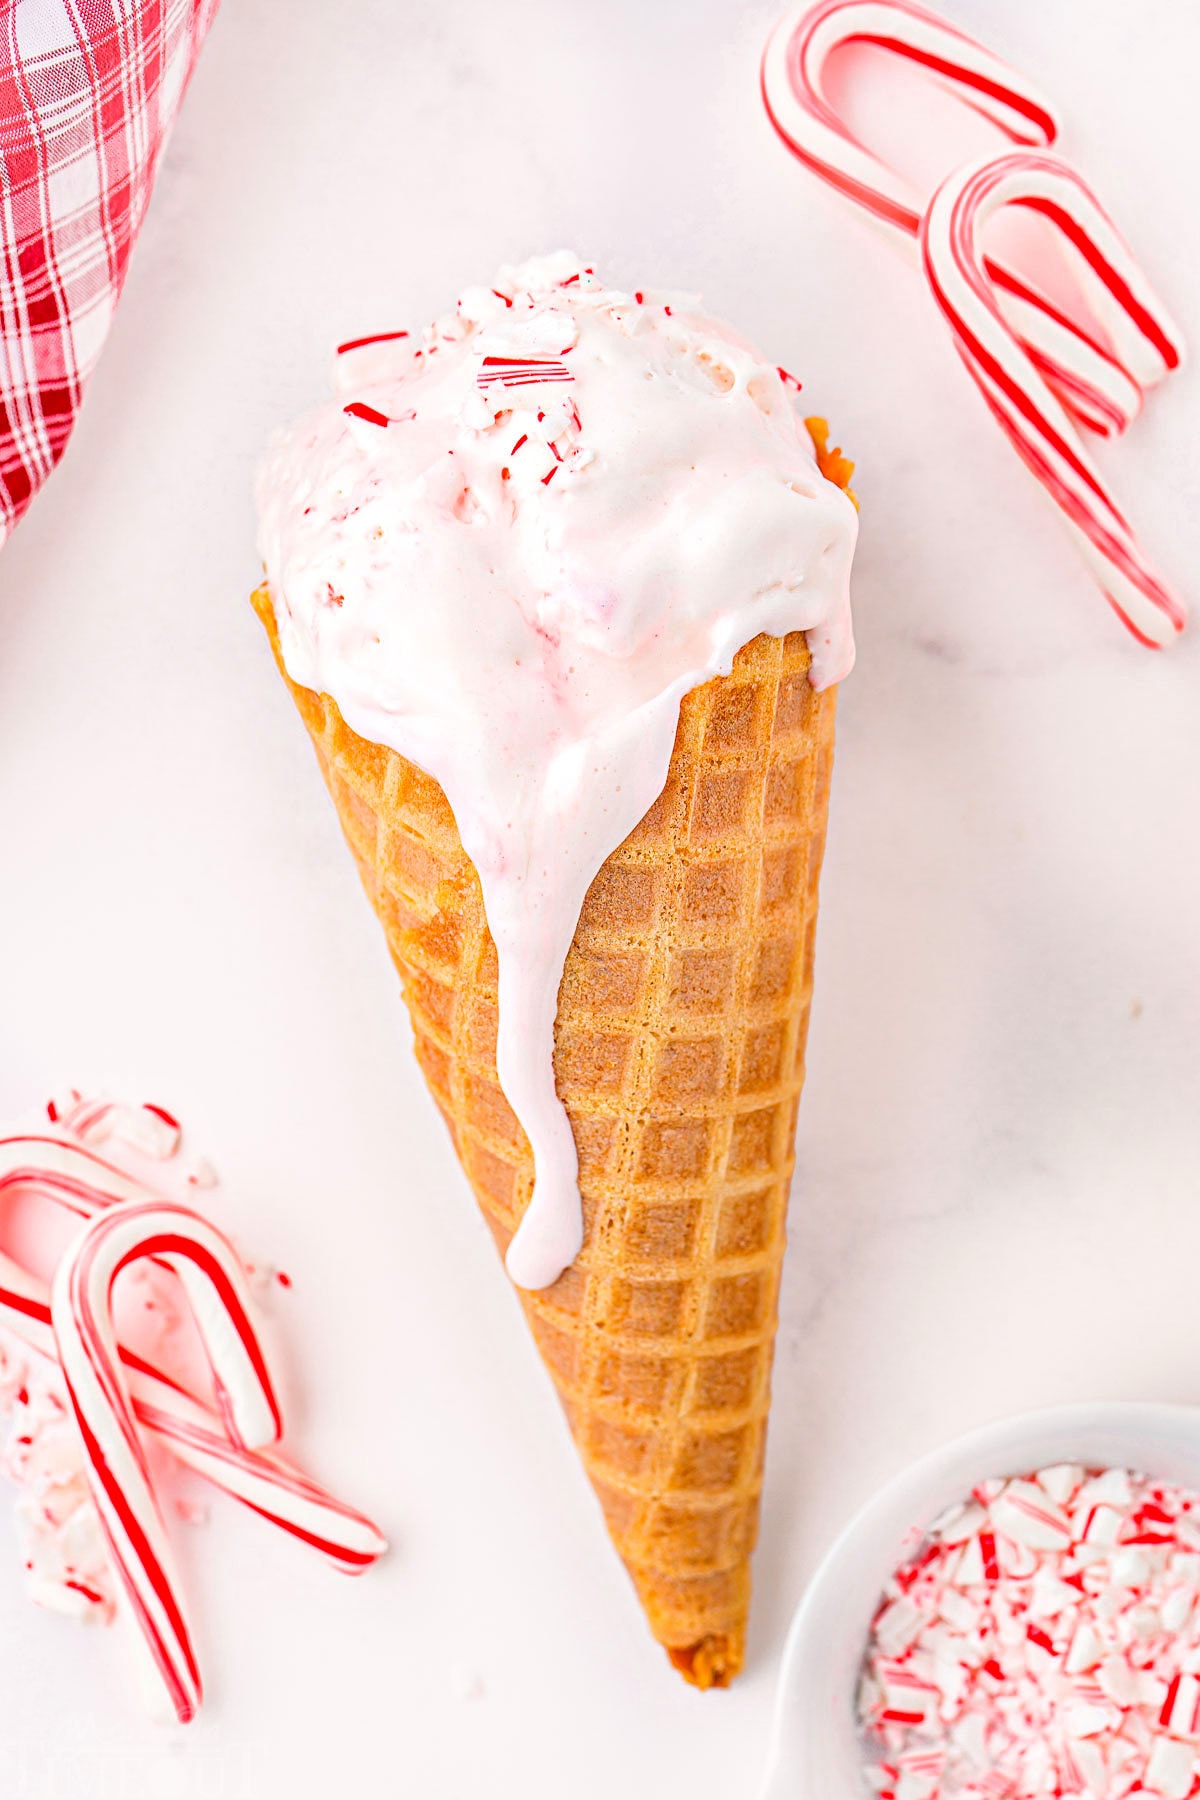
(1142, 334)
(83, 1183)
(1060, 1665)
(118, 1474)
(1101, 393)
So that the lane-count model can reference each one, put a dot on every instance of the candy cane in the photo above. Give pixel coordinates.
(74, 1177)
(84, 1184)
(118, 1474)
(1089, 380)
(1018, 396)
(262, 1480)
(793, 76)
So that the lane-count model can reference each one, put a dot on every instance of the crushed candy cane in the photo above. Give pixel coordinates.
(1043, 1639)
(67, 1567)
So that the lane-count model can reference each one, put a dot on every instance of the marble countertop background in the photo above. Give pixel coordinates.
(998, 1194)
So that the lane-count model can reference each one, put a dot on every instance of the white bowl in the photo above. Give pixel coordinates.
(815, 1753)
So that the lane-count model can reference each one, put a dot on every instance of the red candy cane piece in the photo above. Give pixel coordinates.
(1017, 394)
(119, 1477)
(519, 371)
(1104, 395)
(361, 343)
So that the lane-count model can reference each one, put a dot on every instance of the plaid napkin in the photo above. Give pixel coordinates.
(89, 90)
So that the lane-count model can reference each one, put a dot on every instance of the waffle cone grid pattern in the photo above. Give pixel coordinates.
(680, 1059)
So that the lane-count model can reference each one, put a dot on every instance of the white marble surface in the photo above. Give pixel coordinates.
(1000, 1140)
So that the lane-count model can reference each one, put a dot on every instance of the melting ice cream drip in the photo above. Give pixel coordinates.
(507, 550)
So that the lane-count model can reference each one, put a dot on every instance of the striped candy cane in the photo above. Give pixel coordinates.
(1099, 391)
(1098, 377)
(793, 81)
(84, 1184)
(262, 1480)
(1018, 396)
(118, 1474)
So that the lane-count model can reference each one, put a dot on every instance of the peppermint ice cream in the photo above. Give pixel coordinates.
(506, 549)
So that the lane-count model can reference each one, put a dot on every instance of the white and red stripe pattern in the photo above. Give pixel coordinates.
(793, 85)
(88, 95)
(1180, 1713)
(1097, 372)
(518, 372)
(1013, 1656)
(100, 1161)
(794, 90)
(118, 1473)
(82, 1183)
(364, 343)
(1144, 339)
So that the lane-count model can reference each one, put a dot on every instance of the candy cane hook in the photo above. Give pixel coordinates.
(1018, 396)
(79, 1181)
(793, 77)
(1093, 384)
(118, 1474)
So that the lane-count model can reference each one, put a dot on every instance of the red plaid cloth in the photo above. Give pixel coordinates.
(89, 90)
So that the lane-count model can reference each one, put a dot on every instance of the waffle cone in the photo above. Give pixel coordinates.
(679, 1054)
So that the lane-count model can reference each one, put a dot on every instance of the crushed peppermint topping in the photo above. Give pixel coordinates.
(360, 343)
(1043, 1639)
(358, 409)
(515, 371)
(67, 1567)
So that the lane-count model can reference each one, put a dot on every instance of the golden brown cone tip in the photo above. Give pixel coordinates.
(679, 1051)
